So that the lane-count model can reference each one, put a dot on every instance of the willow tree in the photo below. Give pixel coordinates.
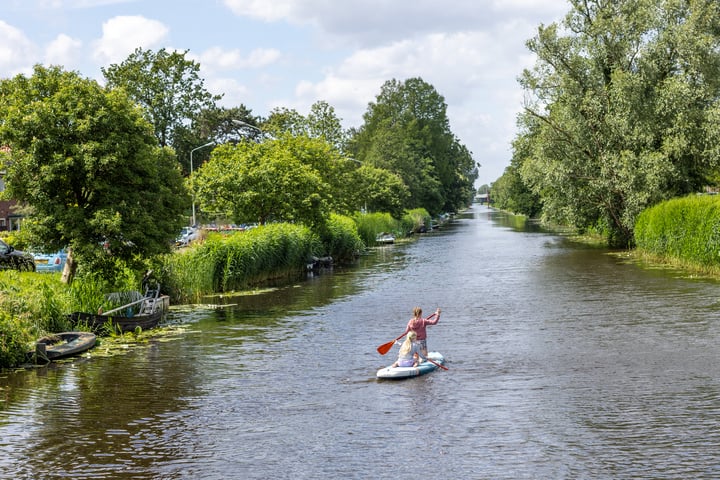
(87, 164)
(622, 110)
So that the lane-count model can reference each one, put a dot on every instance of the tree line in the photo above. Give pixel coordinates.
(111, 171)
(621, 112)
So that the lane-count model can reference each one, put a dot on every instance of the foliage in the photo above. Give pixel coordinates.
(218, 125)
(15, 338)
(33, 305)
(511, 194)
(277, 180)
(415, 220)
(343, 242)
(323, 123)
(86, 162)
(166, 84)
(686, 228)
(369, 225)
(375, 189)
(406, 131)
(622, 110)
(230, 262)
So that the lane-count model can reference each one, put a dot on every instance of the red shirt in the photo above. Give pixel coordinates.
(419, 324)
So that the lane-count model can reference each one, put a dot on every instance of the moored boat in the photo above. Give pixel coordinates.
(423, 368)
(384, 238)
(64, 344)
(144, 313)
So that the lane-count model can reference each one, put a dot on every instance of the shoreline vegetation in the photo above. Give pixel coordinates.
(36, 304)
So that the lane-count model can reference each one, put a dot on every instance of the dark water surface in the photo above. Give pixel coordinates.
(564, 362)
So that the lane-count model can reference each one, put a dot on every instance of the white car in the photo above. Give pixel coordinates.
(187, 235)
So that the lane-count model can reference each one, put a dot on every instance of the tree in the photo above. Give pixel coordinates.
(88, 165)
(323, 123)
(406, 131)
(215, 124)
(261, 182)
(622, 110)
(285, 121)
(168, 87)
(376, 190)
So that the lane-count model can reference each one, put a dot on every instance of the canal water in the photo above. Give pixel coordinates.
(565, 361)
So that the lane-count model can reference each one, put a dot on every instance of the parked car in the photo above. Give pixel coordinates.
(187, 235)
(50, 262)
(11, 259)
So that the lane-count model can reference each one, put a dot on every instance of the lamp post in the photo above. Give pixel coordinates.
(247, 125)
(191, 174)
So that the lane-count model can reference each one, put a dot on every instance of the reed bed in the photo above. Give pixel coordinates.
(224, 263)
(686, 229)
(344, 242)
(369, 225)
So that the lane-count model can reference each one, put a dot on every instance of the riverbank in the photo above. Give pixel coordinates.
(33, 304)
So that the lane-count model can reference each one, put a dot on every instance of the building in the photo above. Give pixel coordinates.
(9, 220)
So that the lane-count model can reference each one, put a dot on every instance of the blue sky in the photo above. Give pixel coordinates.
(292, 53)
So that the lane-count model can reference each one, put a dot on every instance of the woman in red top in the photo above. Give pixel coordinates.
(419, 324)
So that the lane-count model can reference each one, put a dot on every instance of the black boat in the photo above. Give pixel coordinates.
(144, 313)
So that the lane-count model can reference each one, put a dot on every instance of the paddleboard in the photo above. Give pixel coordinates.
(406, 372)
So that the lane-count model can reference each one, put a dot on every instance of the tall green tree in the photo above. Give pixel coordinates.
(406, 130)
(324, 123)
(167, 85)
(262, 182)
(622, 109)
(87, 164)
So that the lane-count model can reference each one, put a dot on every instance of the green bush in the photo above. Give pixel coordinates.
(344, 242)
(685, 228)
(414, 220)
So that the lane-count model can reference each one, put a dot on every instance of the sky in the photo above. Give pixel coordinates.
(266, 54)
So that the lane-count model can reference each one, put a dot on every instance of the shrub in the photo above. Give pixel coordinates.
(686, 228)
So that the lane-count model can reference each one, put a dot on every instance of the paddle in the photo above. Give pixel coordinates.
(385, 347)
(438, 364)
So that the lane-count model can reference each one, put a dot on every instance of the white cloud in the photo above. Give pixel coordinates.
(123, 34)
(64, 50)
(15, 49)
(218, 59)
(262, 9)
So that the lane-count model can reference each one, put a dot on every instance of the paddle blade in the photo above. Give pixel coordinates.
(385, 347)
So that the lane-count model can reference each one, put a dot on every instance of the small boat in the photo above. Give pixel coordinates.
(145, 313)
(65, 344)
(397, 373)
(385, 238)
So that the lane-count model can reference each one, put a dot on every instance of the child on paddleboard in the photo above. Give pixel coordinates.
(409, 348)
(418, 324)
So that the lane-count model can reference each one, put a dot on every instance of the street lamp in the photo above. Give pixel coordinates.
(247, 125)
(193, 180)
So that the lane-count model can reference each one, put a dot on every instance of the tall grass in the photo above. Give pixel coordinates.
(344, 243)
(35, 304)
(413, 220)
(686, 228)
(225, 263)
(369, 225)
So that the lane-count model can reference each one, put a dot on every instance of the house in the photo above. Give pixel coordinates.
(9, 220)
